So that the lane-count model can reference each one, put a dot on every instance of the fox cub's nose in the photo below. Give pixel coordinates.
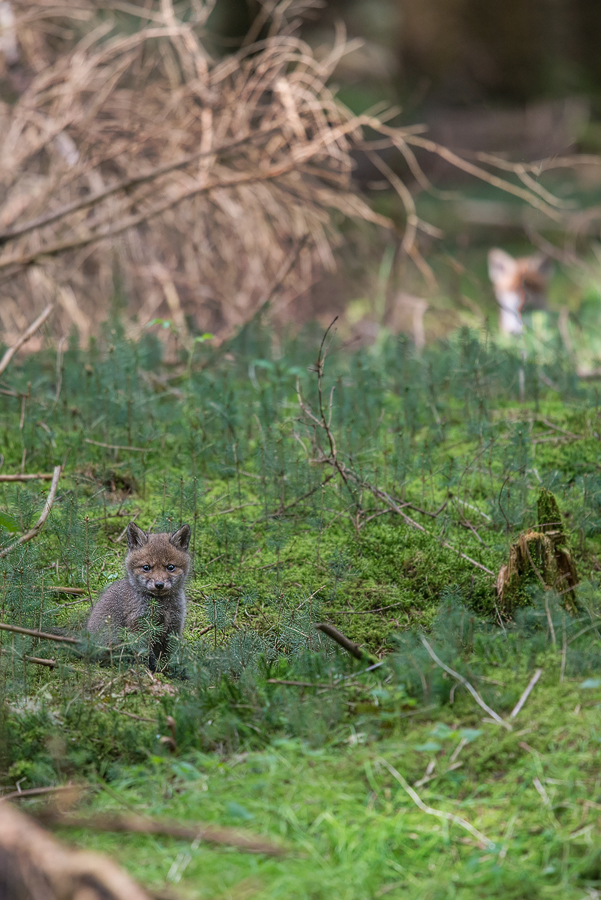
(159, 585)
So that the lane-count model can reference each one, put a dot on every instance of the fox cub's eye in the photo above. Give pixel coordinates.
(146, 568)
(170, 567)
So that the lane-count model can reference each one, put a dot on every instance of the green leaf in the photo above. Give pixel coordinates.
(469, 734)
(442, 731)
(7, 522)
(428, 747)
(238, 812)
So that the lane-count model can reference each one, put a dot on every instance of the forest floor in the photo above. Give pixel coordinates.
(378, 491)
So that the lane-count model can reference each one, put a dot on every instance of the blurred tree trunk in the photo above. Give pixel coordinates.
(517, 50)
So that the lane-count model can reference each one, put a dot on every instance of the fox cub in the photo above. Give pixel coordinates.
(157, 566)
(519, 284)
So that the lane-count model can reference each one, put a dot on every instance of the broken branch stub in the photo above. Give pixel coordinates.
(540, 556)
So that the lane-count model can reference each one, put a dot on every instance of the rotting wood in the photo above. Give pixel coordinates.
(541, 554)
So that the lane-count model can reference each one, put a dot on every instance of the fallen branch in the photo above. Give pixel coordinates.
(526, 694)
(25, 337)
(348, 645)
(38, 661)
(430, 811)
(39, 792)
(134, 824)
(497, 718)
(40, 523)
(39, 476)
(37, 866)
(43, 635)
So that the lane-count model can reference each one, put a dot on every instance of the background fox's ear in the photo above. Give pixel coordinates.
(181, 538)
(500, 264)
(541, 265)
(136, 538)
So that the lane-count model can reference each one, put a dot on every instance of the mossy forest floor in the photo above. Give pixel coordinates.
(384, 504)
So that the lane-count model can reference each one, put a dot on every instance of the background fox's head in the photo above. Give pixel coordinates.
(157, 563)
(518, 284)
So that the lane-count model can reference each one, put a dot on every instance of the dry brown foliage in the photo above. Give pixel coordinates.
(132, 162)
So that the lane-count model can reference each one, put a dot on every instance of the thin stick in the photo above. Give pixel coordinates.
(25, 337)
(134, 824)
(38, 661)
(526, 694)
(43, 635)
(430, 811)
(38, 476)
(38, 792)
(116, 446)
(45, 513)
(350, 646)
(466, 684)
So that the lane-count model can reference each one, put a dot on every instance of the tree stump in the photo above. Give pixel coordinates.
(540, 556)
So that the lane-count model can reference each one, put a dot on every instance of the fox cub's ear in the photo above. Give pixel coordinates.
(136, 538)
(181, 538)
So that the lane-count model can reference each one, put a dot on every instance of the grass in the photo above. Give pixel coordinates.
(462, 437)
(353, 832)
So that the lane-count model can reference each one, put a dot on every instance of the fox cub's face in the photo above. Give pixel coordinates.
(157, 563)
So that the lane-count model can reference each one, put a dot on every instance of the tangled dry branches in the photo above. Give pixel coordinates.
(134, 163)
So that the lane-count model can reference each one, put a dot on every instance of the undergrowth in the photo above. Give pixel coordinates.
(437, 462)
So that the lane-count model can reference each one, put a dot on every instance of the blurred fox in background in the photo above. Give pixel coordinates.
(519, 284)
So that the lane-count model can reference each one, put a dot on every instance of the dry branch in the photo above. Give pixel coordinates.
(39, 476)
(344, 642)
(38, 867)
(28, 536)
(134, 824)
(25, 337)
(135, 152)
(36, 660)
(526, 694)
(440, 814)
(43, 635)
(497, 718)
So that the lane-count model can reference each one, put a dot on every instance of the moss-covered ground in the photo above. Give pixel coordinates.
(439, 459)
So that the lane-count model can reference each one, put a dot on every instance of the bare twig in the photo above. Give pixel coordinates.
(44, 515)
(25, 337)
(430, 811)
(348, 645)
(116, 446)
(36, 660)
(526, 694)
(43, 635)
(39, 792)
(39, 476)
(134, 824)
(497, 718)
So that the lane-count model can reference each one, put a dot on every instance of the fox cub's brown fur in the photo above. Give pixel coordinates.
(157, 566)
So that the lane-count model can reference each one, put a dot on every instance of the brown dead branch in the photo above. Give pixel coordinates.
(495, 716)
(38, 867)
(43, 635)
(24, 338)
(35, 660)
(44, 515)
(39, 476)
(344, 642)
(193, 831)
(133, 151)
